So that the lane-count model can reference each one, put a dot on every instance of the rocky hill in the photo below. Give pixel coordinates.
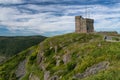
(67, 57)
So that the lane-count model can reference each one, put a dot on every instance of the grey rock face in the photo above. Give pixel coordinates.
(39, 58)
(56, 49)
(57, 58)
(2, 59)
(33, 77)
(58, 62)
(54, 77)
(46, 75)
(21, 69)
(66, 57)
(93, 69)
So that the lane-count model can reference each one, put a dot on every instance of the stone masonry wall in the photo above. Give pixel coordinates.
(83, 25)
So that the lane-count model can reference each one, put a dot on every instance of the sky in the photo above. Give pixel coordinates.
(55, 17)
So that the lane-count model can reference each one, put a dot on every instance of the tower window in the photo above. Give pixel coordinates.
(87, 28)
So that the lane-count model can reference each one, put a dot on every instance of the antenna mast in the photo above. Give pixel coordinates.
(87, 11)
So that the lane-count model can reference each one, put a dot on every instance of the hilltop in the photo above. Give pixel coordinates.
(66, 57)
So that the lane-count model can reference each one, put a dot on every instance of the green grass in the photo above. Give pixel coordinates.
(85, 50)
(7, 70)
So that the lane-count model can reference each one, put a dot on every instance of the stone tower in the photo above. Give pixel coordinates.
(83, 25)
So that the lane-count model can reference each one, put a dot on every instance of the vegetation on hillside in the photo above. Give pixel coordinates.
(10, 46)
(63, 57)
(7, 70)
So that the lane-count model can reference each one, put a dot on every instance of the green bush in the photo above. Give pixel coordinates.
(51, 64)
(71, 66)
(32, 57)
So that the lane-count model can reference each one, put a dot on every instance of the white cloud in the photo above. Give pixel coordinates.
(48, 22)
(36, 22)
(10, 1)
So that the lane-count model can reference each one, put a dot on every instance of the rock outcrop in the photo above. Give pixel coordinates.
(93, 70)
(46, 75)
(54, 77)
(66, 57)
(33, 77)
(2, 59)
(21, 69)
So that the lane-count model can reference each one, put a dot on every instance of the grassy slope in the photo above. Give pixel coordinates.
(7, 70)
(85, 50)
(13, 45)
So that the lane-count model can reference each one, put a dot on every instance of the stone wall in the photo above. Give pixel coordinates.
(83, 25)
(108, 32)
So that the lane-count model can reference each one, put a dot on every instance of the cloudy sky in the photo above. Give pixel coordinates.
(53, 17)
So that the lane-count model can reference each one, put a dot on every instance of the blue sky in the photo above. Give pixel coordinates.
(54, 17)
